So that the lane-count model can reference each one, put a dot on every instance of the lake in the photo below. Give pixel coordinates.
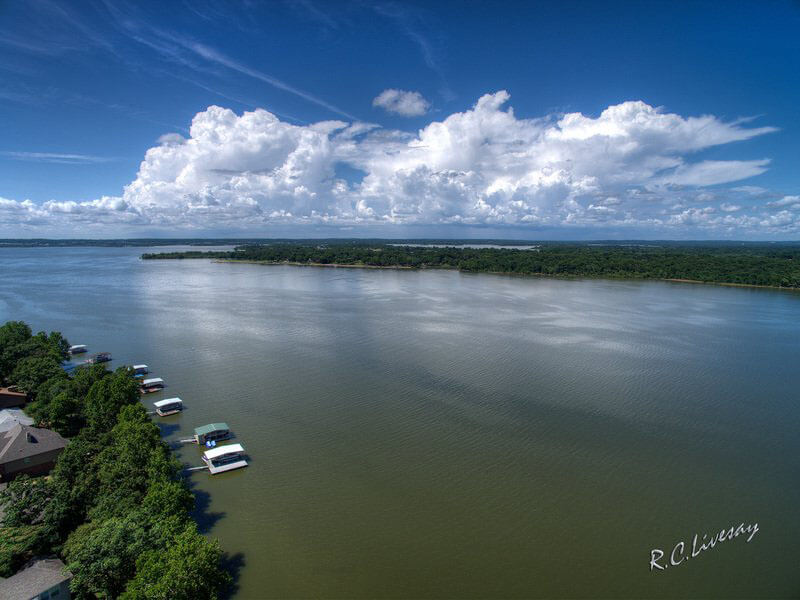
(435, 434)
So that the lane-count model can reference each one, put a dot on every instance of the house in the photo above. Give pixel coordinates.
(10, 397)
(10, 417)
(40, 579)
(26, 449)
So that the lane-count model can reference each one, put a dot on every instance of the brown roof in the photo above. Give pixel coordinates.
(23, 441)
(9, 392)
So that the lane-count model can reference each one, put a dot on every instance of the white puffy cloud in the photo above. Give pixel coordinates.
(792, 202)
(171, 139)
(711, 172)
(401, 102)
(630, 168)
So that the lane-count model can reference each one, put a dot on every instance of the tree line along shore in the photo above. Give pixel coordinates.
(114, 507)
(763, 265)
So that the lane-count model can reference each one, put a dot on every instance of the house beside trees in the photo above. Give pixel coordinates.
(29, 450)
(114, 511)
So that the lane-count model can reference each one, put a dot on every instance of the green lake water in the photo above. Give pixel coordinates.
(432, 434)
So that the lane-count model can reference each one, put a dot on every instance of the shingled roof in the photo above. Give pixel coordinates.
(23, 441)
(37, 577)
(10, 417)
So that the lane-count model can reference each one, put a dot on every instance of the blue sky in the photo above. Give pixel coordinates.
(540, 120)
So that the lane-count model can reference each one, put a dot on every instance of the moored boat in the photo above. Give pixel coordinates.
(140, 370)
(78, 349)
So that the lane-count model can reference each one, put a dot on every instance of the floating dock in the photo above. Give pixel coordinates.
(154, 384)
(224, 458)
(167, 407)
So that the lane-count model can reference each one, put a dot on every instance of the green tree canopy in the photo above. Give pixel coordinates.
(24, 500)
(189, 568)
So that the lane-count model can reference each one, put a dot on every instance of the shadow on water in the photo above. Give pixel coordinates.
(204, 518)
(233, 564)
(167, 429)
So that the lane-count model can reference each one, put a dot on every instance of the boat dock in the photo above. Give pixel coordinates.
(217, 459)
(224, 458)
(168, 406)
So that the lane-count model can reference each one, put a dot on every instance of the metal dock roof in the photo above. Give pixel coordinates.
(167, 402)
(205, 429)
(223, 450)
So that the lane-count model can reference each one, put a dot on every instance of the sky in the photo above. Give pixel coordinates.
(310, 118)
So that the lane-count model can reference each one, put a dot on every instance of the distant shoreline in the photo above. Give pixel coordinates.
(540, 275)
(744, 285)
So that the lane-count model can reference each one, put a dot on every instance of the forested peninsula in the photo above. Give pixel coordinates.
(114, 508)
(768, 265)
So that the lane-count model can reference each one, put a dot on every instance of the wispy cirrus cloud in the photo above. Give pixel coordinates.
(312, 11)
(413, 22)
(214, 56)
(54, 29)
(199, 57)
(56, 157)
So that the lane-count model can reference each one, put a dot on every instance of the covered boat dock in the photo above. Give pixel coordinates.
(224, 458)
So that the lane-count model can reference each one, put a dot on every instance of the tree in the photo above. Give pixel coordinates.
(168, 499)
(17, 546)
(102, 557)
(64, 413)
(33, 371)
(189, 568)
(107, 396)
(75, 487)
(24, 500)
(12, 335)
(135, 459)
(59, 403)
(17, 343)
(115, 500)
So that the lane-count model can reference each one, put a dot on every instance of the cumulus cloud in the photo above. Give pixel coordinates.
(786, 201)
(401, 102)
(632, 166)
(171, 139)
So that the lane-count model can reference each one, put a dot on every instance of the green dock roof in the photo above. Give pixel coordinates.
(206, 429)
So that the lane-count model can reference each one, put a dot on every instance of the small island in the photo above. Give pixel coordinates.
(738, 264)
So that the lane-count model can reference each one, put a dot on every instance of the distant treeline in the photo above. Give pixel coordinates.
(731, 263)
(115, 507)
